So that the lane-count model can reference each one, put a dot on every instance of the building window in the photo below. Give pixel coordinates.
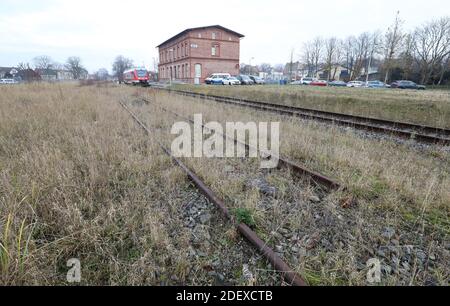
(215, 50)
(199, 35)
(213, 35)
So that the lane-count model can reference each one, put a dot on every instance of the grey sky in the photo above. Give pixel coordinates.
(98, 30)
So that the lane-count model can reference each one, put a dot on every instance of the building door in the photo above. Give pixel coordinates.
(198, 74)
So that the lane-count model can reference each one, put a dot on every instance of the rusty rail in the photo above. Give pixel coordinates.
(301, 170)
(288, 274)
(419, 133)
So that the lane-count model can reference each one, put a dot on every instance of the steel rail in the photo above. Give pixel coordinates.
(287, 273)
(406, 130)
(317, 178)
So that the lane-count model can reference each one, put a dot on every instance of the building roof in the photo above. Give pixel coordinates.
(200, 28)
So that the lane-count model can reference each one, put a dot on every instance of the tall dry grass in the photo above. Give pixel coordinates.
(78, 180)
(396, 186)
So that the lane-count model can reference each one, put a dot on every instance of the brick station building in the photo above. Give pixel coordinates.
(194, 54)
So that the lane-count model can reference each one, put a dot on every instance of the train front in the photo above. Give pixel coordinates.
(142, 76)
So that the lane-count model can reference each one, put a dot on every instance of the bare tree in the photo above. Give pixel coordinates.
(406, 58)
(58, 66)
(279, 68)
(307, 58)
(374, 48)
(23, 66)
(349, 54)
(432, 46)
(73, 64)
(265, 67)
(43, 62)
(444, 67)
(121, 64)
(338, 57)
(316, 53)
(102, 74)
(391, 44)
(331, 46)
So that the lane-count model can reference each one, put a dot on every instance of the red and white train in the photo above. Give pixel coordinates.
(136, 76)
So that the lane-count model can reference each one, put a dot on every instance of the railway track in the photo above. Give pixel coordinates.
(317, 178)
(419, 133)
(287, 273)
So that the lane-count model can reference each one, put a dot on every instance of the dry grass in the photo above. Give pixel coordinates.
(431, 107)
(396, 186)
(78, 179)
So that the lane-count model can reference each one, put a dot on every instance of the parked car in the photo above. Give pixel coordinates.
(403, 84)
(376, 84)
(307, 80)
(337, 84)
(257, 80)
(318, 83)
(245, 80)
(231, 81)
(299, 82)
(8, 81)
(216, 78)
(355, 84)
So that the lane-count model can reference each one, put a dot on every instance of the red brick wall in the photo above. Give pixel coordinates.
(226, 59)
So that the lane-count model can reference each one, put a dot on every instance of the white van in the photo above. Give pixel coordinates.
(217, 78)
(8, 81)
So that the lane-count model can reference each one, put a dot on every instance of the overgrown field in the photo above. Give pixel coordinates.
(78, 179)
(431, 107)
(402, 210)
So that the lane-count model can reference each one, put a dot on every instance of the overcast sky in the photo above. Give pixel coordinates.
(98, 30)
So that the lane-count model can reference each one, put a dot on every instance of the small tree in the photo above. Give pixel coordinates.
(391, 44)
(102, 74)
(43, 62)
(73, 64)
(121, 64)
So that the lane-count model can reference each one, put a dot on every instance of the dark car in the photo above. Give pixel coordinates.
(407, 85)
(257, 80)
(337, 84)
(245, 80)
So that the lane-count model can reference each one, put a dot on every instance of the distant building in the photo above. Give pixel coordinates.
(5, 72)
(294, 70)
(49, 75)
(194, 54)
(64, 75)
(337, 73)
